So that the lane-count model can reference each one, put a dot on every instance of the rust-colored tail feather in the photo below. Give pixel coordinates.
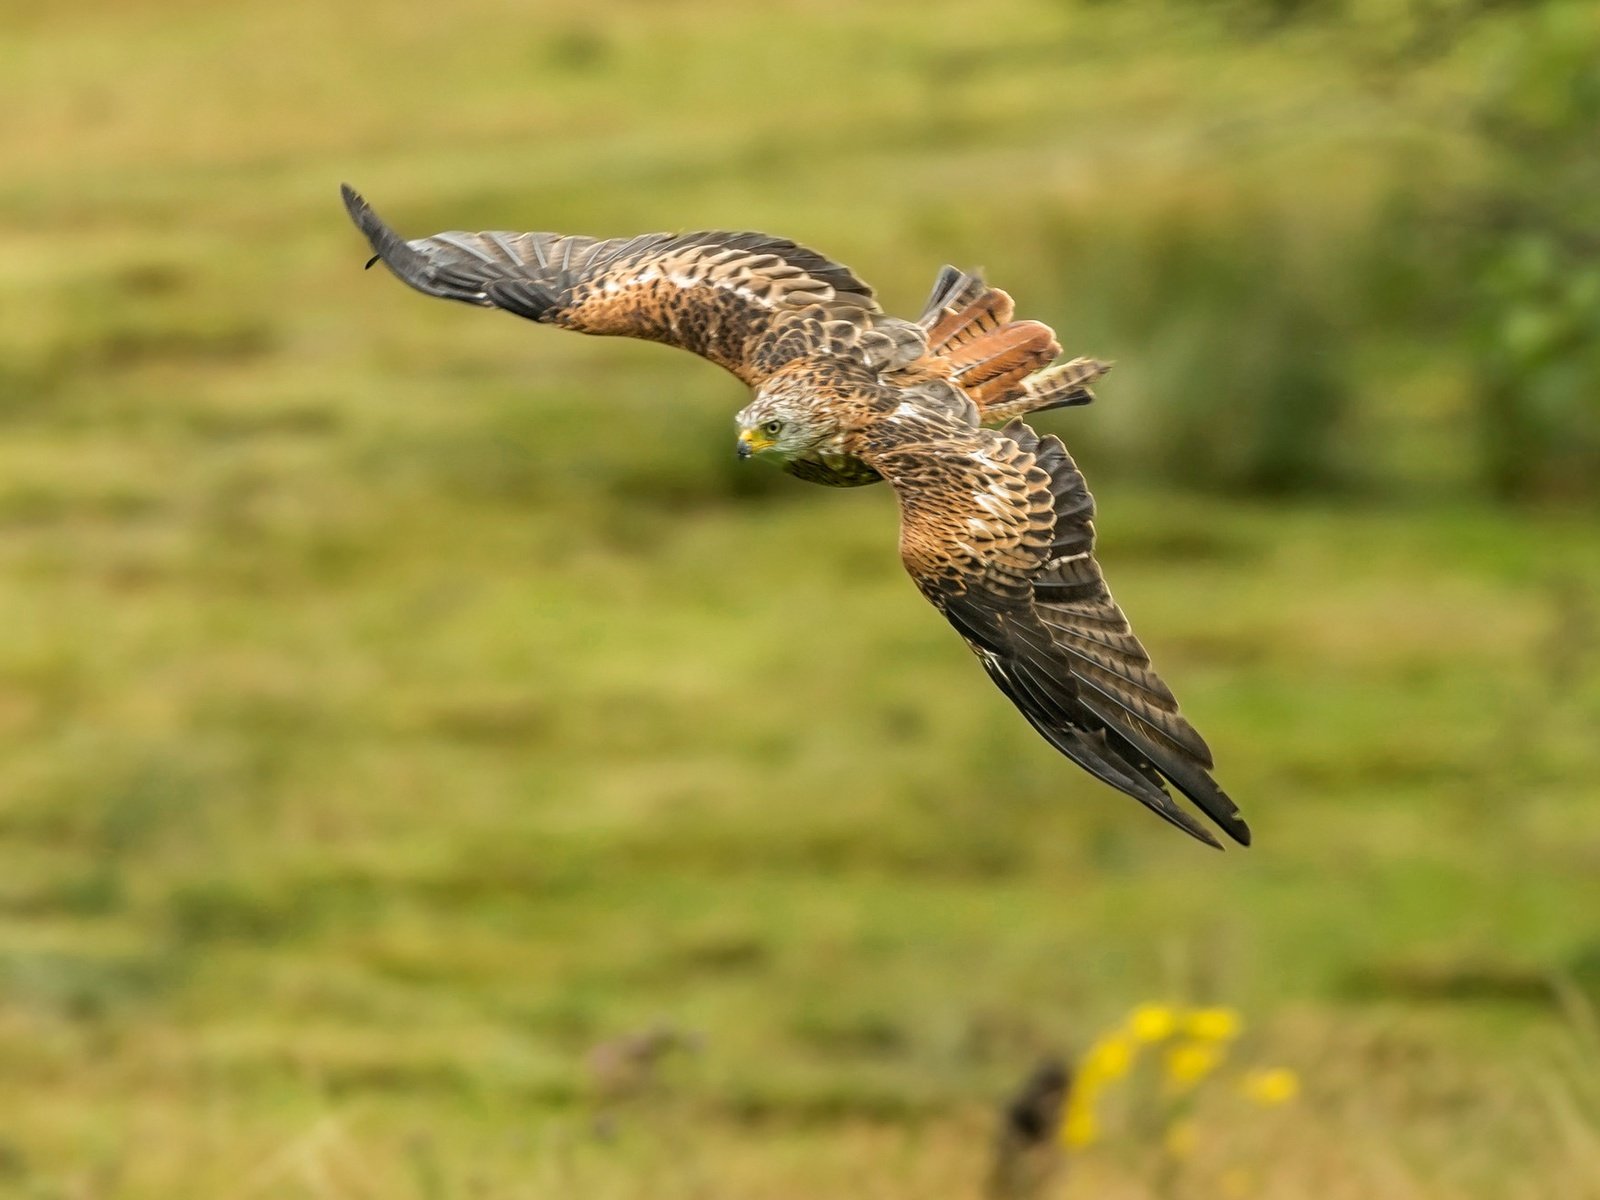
(991, 368)
(953, 292)
(1060, 386)
(990, 356)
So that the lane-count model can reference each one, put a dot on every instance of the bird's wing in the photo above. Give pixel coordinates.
(997, 530)
(748, 302)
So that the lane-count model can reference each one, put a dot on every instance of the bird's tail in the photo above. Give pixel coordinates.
(1060, 386)
(1001, 363)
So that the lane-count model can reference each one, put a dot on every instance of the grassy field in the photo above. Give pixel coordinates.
(399, 705)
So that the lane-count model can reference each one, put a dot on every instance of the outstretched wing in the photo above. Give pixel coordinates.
(748, 302)
(997, 530)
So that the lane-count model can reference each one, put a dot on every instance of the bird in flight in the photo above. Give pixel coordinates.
(996, 524)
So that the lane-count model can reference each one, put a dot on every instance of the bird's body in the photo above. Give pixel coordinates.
(996, 523)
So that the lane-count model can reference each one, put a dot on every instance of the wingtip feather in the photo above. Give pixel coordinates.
(370, 224)
(360, 211)
(389, 248)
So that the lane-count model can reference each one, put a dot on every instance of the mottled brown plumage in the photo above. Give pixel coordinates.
(996, 524)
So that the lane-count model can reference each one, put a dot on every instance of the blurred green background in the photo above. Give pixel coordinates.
(401, 704)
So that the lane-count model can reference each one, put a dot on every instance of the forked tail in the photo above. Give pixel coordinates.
(1002, 364)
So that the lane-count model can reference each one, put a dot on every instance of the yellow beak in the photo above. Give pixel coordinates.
(752, 442)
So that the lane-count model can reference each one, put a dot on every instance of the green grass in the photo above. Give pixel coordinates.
(396, 701)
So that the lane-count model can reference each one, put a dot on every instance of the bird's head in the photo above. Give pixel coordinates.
(782, 426)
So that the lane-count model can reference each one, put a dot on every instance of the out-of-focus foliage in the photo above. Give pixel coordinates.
(1538, 337)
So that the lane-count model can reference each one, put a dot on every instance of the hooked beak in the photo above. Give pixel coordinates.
(751, 442)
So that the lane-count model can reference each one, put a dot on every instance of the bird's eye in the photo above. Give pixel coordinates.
(772, 428)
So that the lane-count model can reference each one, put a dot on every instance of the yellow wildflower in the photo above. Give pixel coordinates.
(1189, 1063)
(1181, 1139)
(1213, 1024)
(1152, 1023)
(1079, 1128)
(1270, 1088)
(1108, 1059)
